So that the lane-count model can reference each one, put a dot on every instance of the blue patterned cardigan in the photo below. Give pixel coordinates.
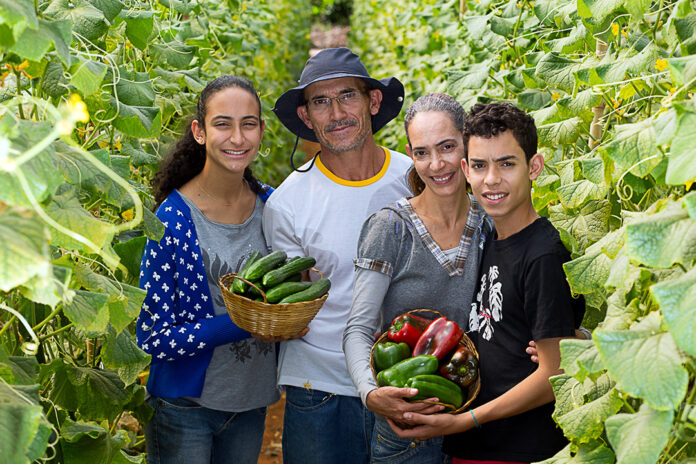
(177, 325)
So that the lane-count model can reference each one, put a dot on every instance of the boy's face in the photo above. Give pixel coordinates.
(500, 176)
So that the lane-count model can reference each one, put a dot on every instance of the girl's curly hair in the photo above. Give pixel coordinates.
(187, 158)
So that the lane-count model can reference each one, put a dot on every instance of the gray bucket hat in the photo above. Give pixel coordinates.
(333, 63)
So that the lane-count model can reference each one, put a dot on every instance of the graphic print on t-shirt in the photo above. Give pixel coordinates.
(488, 307)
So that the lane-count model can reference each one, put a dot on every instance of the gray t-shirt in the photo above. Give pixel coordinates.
(400, 267)
(242, 375)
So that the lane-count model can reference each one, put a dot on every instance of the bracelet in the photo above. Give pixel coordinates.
(474, 417)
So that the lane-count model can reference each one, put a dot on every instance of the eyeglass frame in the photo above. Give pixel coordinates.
(345, 103)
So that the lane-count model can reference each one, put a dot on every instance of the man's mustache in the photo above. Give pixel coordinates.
(337, 124)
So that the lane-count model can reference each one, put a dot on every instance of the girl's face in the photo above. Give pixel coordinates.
(233, 129)
(437, 150)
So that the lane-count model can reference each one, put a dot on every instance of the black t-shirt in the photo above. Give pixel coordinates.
(522, 295)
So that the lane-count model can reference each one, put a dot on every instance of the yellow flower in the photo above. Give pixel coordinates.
(689, 183)
(673, 90)
(102, 143)
(531, 3)
(661, 64)
(555, 96)
(244, 6)
(78, 108)
(117, 145)
(3, 76)
(624, 33)
(519, 4)
(127, 214)
(24, 65)
(614, 28)
(660, 23)
(691, 95)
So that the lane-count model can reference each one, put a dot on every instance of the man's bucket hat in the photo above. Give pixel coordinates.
(334, 63)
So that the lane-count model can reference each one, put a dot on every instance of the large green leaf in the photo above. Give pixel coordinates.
(634, 148)
(590, 271)
(591, 453)
(15, 17)
(136, 121)
(580, 358)
(662, 239)
(573, 195)
(24, 252)
(474, 77)
(683, 71)
(681, 168)
(24, 430)
(130, 253)
(645, 362)
(68, 212)
(88, 442)
(39, 172)
(586, 224)
(689, 202)
(124, 300)
(677, 300)
(97, 394)
(134, 88)
(87, 76)
(564, 132)
(174, 54)
(558, 71)
(639, 438)
(686, 31)
(121, 352)
(89, 311)
(598, 9)
(34, 43)
(87, 20)
(139, 25)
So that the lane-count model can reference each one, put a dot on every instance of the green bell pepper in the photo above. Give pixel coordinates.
(389, 353)
(435, 386)
(399, 373)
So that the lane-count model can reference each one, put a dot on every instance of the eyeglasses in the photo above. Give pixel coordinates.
(345, 100)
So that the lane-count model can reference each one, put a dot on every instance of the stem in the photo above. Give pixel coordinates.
(56, 332)
(47, 319)
(8, 324)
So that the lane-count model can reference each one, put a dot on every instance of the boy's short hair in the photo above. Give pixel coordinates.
(490, 120)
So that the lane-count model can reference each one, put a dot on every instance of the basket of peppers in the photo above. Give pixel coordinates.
(434, 356)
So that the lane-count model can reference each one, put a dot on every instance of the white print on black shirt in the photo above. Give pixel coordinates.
(481, 318)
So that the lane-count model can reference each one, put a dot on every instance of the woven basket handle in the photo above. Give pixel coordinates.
(263, 294)
(321, 276)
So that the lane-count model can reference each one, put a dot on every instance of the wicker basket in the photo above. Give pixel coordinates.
(274, 320)
(471, 391)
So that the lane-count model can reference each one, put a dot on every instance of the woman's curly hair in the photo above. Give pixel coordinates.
(187, 158)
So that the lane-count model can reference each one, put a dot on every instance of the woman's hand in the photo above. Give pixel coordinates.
(282, 338)
(391, 402)
(423, 426)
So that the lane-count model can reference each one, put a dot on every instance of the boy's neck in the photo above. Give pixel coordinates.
(515, 221)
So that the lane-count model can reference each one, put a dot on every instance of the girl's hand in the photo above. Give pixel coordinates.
(391, 402)
(424, 426)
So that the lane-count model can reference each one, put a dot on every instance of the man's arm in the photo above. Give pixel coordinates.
(534, 391)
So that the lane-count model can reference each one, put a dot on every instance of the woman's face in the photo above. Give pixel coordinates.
(233, 129)
(437, 150)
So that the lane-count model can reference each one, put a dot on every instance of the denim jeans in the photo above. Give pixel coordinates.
(322, 428)
(388, 447)
(183, 432)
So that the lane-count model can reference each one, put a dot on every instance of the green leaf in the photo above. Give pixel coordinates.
(53, 82)
(534, 99)
(97, 394)
(23, 429)
(24, 252)
(473, 77)
(575, 194)
(662, 239)
(681, 168)
(138, 156)
(88, 442)
(154, 229)
(34, 43)
(565, 132)
(686, 31)
(689, 202)
(634, 148)
(640, 438)
(588, 223)
(683, 71)
(558, 71)
(139, 25)
(87, 20)
(580, 358)
(66, 210)
(134, 88)
(677, 300)
(175, 54)
(136, 121)
(121, 352)
(591, 453)
(645, 362)
(39, 172)
(110, 8)
(503, 26)
(87, 76)
(124, 300)
(665, 127)
(598, 9)
(130, 253)
(15, 17)
(89, 311)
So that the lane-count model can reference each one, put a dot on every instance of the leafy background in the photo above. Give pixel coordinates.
(610, 84)
(93, 93)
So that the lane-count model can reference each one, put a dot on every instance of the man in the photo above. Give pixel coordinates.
(522, 294)
(318, 211)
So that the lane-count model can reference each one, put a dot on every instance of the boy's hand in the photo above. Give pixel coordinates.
(580, 334)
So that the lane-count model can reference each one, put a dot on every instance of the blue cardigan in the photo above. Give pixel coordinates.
(177, 325)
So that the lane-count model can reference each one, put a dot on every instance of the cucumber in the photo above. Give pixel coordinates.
(284, 289)
(239, 286)
(265, 264)
(276, 276)
(318, 289)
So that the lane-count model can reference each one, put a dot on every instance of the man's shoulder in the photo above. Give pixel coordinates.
(399, 161)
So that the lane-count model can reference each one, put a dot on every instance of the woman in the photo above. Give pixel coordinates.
(210, 382)
(421, 252)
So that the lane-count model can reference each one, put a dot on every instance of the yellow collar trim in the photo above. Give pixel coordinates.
(356, 183)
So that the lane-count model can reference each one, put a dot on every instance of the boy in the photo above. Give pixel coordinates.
(522, 294)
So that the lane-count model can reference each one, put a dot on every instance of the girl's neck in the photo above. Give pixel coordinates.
(220, 186)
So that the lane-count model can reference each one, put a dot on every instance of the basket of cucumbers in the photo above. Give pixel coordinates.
(268, 296)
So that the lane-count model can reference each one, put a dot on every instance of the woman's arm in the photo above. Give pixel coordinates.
(535, 390)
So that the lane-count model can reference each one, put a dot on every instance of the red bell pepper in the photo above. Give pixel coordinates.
(407, 328)
(439, 338)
